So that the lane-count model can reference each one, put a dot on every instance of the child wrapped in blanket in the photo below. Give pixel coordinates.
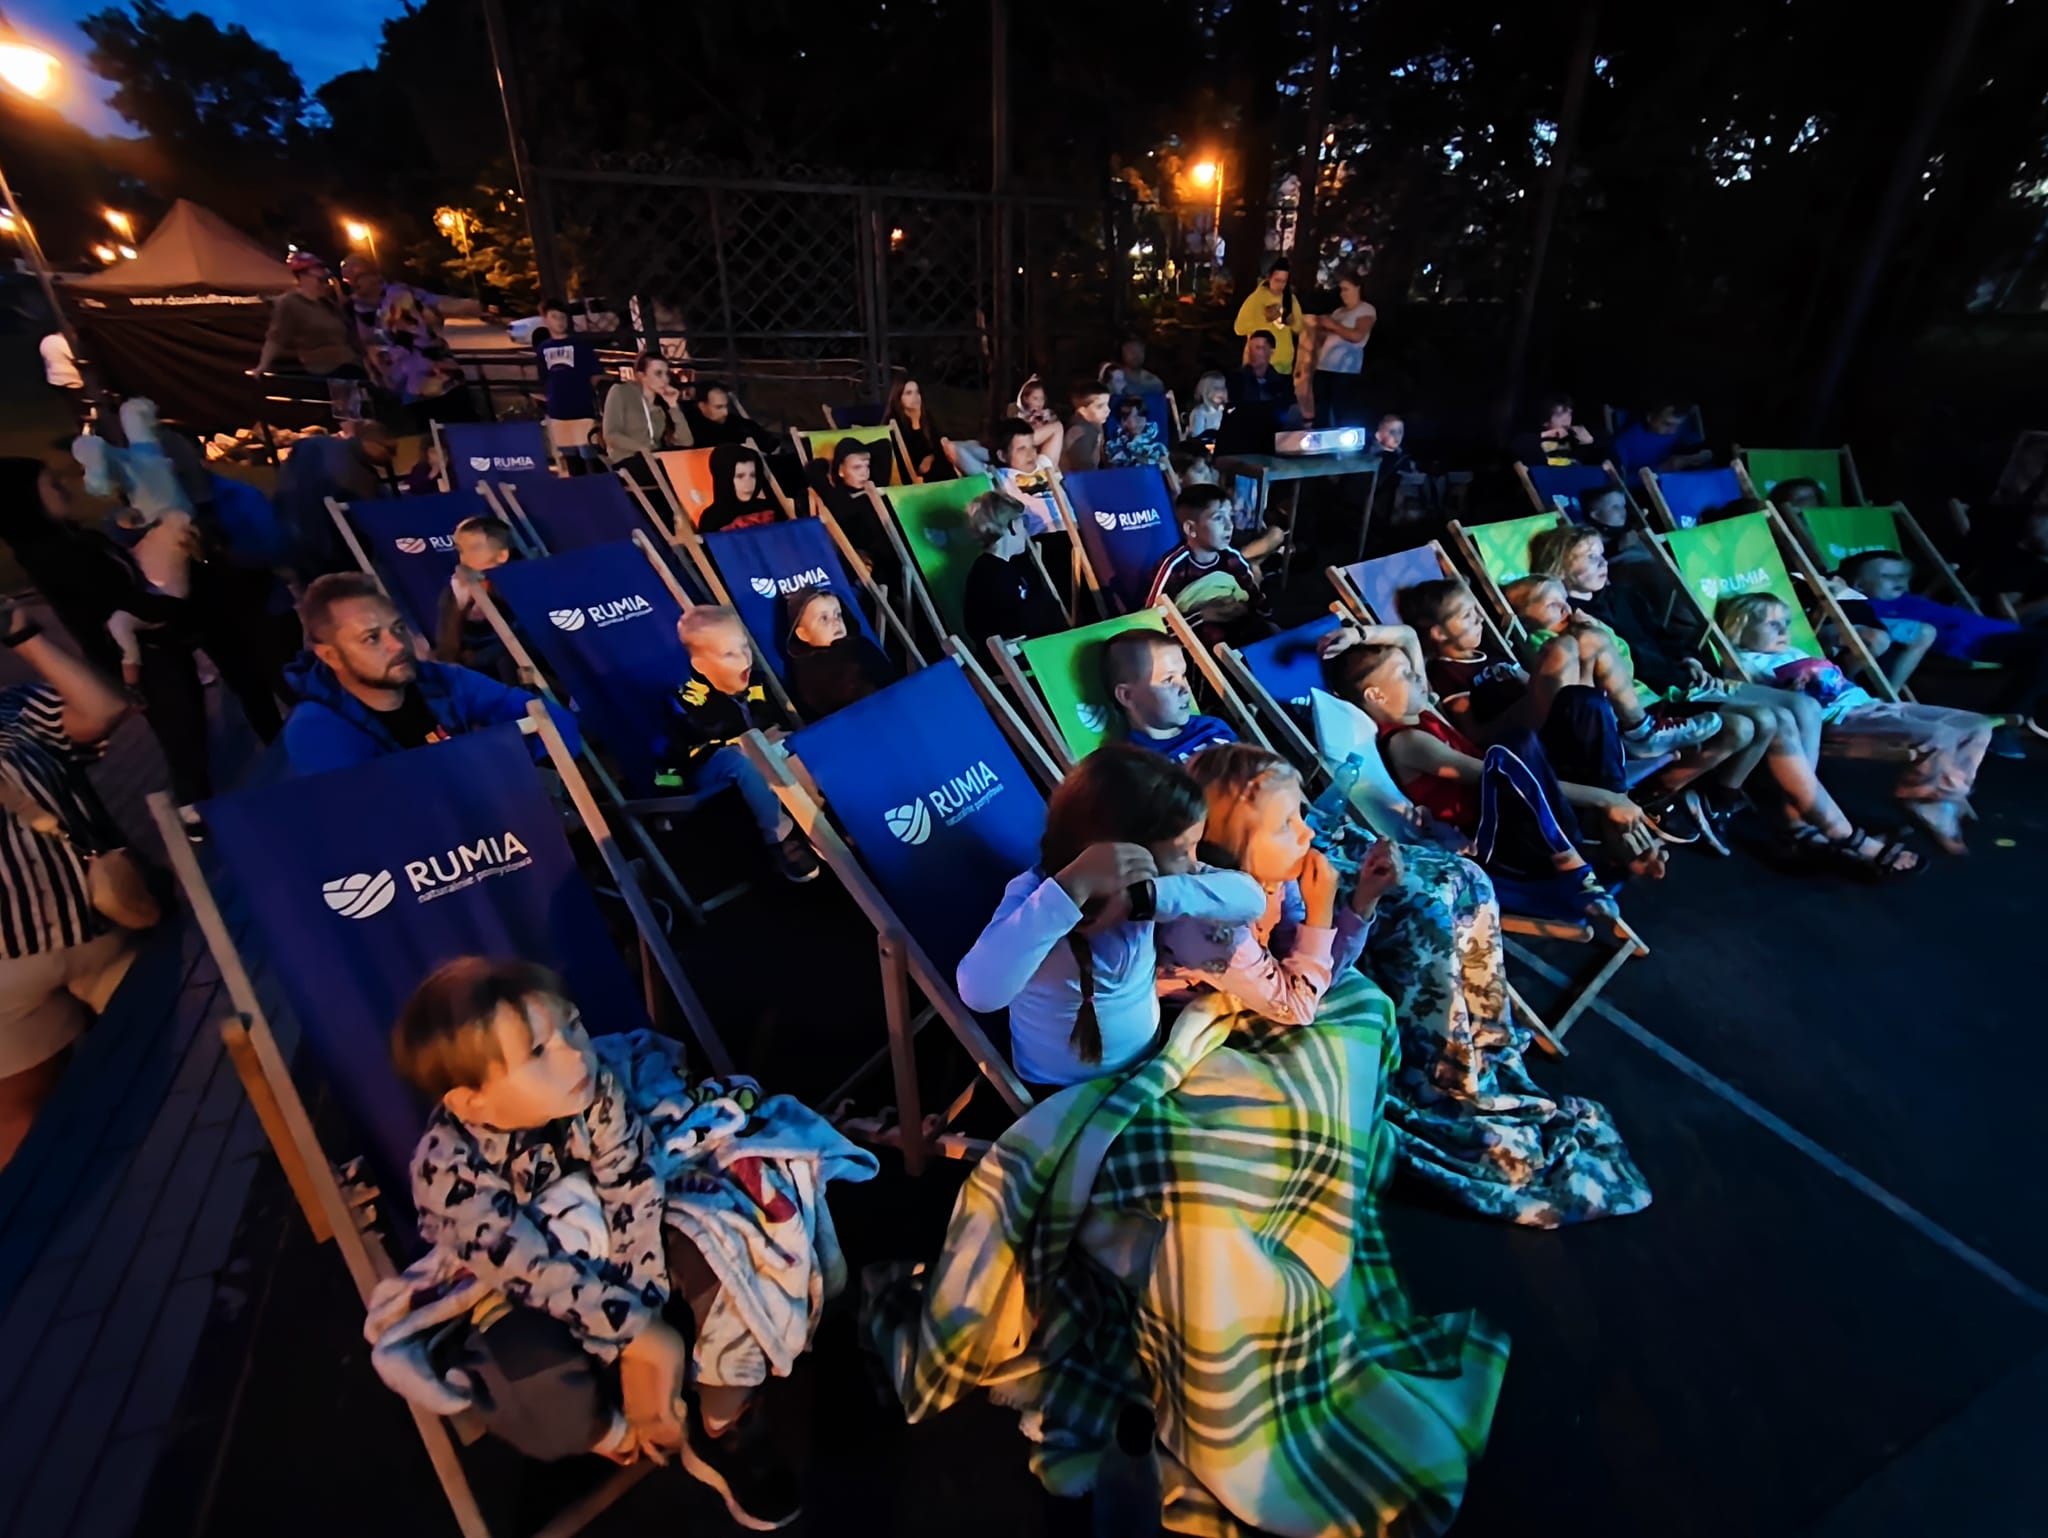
(582, 1200)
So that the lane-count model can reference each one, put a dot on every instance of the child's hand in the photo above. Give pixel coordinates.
(1345, 635)
(1318, 881)
(1697, 676)
(1103, 870)
(651, 1373)
(1377, 873)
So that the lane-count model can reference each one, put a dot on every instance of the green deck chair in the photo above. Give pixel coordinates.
(1743, 555)
(1062, 693)
(1497, 553)
(1833, 470)
(931, 520)
(1840, 532)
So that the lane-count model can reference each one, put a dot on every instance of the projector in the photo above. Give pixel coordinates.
(1320, 440)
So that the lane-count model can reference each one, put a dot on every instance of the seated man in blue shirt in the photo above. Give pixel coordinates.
(364, 691)
(1884, 578)
(1662, 439)
(1147, 676)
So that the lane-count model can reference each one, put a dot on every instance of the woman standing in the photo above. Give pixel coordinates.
(1343, 335)
(1273, 307)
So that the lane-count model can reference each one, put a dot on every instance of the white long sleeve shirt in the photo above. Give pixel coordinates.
(1021, 962)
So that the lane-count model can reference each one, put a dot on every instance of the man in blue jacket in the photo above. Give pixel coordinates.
(363, 692)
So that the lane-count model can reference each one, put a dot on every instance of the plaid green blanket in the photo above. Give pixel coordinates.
(1200, 1235)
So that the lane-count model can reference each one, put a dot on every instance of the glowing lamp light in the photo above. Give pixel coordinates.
(28, 69)
(358, 233)
(106, 253)
(445, 219)
(896, 237)
(127, 253)
(120, 223)
(1204, 172)
(7, 220)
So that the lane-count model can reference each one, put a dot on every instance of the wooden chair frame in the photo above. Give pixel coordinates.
(896, 444)
(336, 1207)
(1852, 482)
(633, 813)
(904, 962)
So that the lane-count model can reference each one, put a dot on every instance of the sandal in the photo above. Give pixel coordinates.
(1846, 853)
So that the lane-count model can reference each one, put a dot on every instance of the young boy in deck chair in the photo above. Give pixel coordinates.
(1578, 696)
(461, 633)
(1885, 579)
(1210, 583)
(586, 1205)
(1146, 673)
(718, 704)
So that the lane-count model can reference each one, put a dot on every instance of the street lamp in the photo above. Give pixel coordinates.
(1210, 173)
(32, 72)
(106, 254)
(1204, 172)
(120, 223)
(360, 234)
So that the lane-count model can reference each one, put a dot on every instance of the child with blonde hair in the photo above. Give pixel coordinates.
(1281, 963)
(1948, 745)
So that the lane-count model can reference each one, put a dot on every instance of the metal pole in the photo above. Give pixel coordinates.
(1546, 212)
(1912, 157)
(522, 173)
(999, 185)
(26, 234)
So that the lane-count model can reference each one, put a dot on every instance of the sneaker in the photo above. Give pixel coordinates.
(1657, 733)
(759, 1489)
(2007, 742)
(795, 858)
(1679, 821)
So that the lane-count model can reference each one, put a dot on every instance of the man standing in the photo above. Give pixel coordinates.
(365, 693)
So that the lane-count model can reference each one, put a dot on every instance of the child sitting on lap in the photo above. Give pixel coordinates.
(718, 704)
(1146, 673)
(831, 664)
(1949, 744)
(1282, 963)
(1070, 950)
(578, 1194)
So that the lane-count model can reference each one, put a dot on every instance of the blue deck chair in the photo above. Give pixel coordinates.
(1547, 484)
(859, 414)
(1683, 495)
(1123, 521)
(752, 569)
(602, 623)
(1273, 679)
(1369, 588)
(475, 452)
(1160, 411)
(349, 888)
(408, 544)
(927, 787)
(564, 513)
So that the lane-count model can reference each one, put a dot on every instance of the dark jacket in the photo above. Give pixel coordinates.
(823, 678)
(701, 721)
(332, 729)
(1010, 598)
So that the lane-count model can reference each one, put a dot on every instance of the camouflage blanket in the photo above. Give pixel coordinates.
(1200, 1235)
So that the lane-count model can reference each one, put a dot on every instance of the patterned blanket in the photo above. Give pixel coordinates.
(1200, 1235)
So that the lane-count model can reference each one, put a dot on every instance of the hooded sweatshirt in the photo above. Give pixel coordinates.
(727, 511)
(824, 678)
(332, 729)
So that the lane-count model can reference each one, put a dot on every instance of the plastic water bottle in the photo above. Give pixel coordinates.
(1329, 811)
(1127, 1493)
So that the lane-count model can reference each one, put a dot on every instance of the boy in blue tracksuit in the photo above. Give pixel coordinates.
(363, 693)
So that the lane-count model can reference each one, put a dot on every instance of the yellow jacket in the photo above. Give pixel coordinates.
(1251, 316)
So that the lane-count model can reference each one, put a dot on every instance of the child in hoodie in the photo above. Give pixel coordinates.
(830, 663)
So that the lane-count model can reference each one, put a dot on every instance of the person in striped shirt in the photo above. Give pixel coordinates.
(1210, 583)
(60, 960)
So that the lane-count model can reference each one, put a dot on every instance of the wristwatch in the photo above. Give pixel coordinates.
(1144, 900)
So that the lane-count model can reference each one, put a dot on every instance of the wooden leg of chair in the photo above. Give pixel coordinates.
(1624, 950)
(243, 1054)
(448, 1466)
(1527, 1016)
(903, 1051)
(576, 1516)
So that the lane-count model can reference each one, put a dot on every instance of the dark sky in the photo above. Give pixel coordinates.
(319, 41)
